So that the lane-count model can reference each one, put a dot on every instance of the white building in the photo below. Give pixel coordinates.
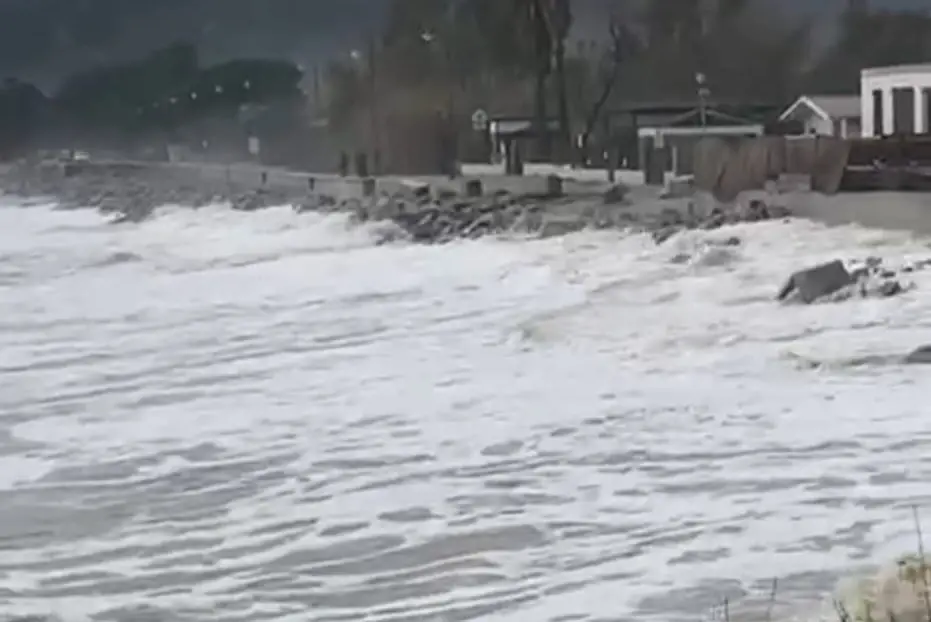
(896, 100)
(826, 115)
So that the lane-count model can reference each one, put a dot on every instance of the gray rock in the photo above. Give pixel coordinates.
(813, 283)
(662, 235)
(715, 220)
(670, 217)
(248, 202)
(754, 211)
(554, 225)
(919, 356)
(779, 212)
(890, 288)
(615, 194)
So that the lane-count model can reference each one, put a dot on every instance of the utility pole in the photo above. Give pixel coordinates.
(440, 50)
(373, 92)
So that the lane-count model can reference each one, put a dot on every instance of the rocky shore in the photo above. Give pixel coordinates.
(417, 212)
(131, 193)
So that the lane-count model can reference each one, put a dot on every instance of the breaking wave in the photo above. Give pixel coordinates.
(272, 415)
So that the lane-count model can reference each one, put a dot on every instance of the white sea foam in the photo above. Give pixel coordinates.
(247, 416)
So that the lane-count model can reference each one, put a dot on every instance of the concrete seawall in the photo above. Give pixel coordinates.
(256, 176)
(903, 211)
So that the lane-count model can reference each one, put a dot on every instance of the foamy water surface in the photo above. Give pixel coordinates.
(265, 416)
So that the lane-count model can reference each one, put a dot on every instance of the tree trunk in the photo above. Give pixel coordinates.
(540, 124)
(595, 113)
(543, 56)
(562, 102)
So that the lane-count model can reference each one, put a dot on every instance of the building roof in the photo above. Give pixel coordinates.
(693, 118)
(893, 69)
(828, 107)
(738, 108)
(516, 127)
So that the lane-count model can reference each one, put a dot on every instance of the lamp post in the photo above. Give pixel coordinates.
(373, 100)
(448, 139)
(431, 40)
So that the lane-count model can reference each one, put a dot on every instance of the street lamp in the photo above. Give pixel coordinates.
(357, 56)
(445, 70)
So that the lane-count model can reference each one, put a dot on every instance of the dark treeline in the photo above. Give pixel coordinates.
(517, 57)
(160, 94)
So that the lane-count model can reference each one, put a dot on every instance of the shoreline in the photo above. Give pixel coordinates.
(425, 209)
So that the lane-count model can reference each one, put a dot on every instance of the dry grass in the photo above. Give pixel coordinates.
(896, 593)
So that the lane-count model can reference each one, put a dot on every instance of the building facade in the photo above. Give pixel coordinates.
(826, 115)
(896, 100)
(670, 147)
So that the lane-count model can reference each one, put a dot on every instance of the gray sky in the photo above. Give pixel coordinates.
(42, 40)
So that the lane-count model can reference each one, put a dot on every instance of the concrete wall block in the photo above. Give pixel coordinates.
(554, 186)
(473, 188)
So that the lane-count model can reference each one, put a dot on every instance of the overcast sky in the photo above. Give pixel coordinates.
(43, 40)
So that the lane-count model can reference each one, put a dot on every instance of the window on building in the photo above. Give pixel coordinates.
(878, 128)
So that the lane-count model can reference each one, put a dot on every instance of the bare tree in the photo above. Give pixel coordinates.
(560, 22)
(622, 46)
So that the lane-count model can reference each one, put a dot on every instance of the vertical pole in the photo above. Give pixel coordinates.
(373, 81)
(609, 148)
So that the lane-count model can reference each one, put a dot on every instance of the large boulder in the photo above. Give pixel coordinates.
(813, 283)
(920, 355)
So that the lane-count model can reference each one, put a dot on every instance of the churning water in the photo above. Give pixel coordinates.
(242, 417)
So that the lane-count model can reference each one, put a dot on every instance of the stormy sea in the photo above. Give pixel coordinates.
(226, 416)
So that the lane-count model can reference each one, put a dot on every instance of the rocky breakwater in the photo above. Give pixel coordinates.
(413, 211)
(131, 191)
(420, 213)
(670, 221)
(836, 281)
